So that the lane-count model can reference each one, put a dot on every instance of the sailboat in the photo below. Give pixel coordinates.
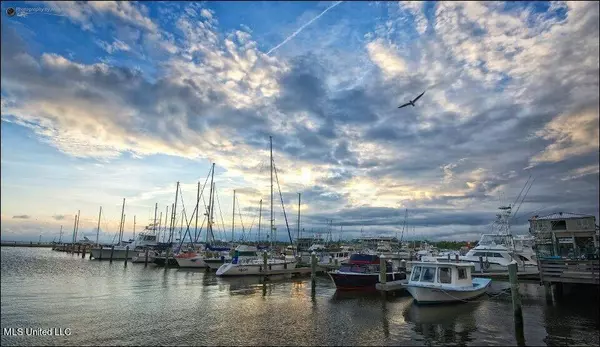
(254, 266)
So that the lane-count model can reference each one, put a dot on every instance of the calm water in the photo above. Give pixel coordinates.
(107, 304)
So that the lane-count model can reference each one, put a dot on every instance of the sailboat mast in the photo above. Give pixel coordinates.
(210, 201)
(159, 226)
(60, 234)
(134, 225)
(259, 219)
(121, 224)
(166, 219)
(98, 228)
(174, 214)
(212, 213)
(153, 225)
(77, 226)
(298, 232)
(272, 220)
(197, 211)
(233, 216)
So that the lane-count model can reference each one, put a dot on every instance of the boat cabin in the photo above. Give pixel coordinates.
(440, 273)
(363, 263)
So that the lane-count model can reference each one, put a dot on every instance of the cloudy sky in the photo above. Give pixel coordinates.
(105, 100)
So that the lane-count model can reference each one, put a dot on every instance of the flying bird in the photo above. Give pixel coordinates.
(412, 102)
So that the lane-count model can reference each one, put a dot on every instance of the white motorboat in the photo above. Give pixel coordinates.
(118, 253)
(337, 257)
(495, 256)
(443, 282)
(140, 257)
(246, 261)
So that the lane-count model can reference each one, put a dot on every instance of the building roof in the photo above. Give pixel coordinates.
(561, 215)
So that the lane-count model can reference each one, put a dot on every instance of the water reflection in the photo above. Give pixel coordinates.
(449, 323)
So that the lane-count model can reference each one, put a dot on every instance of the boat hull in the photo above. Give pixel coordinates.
(438, 294)
(246, 269)
(141, 257)
(194, 262)
(359, 281)
(118, 254)
(215, 264)
(160, 261)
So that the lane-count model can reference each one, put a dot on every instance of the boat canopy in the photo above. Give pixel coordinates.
(359, 258)
(217, 249)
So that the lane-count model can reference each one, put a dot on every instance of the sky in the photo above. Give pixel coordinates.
(103, 101)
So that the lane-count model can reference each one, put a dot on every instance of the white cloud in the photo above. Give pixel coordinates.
(386, 59)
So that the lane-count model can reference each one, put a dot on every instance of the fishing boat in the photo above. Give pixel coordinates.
(339, 256)
(362, 273)
(443, 282)
(141, 241)
(246, 261)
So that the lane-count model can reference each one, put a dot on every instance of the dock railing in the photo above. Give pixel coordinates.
(569, 271)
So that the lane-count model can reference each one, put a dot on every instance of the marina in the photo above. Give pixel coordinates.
(96, 306)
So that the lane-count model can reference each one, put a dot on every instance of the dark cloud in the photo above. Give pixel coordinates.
(59, 217)
(22, 216)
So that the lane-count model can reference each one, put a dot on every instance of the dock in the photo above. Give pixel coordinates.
(391, 286)
(554, 271)
(530, 277)
(26, 244)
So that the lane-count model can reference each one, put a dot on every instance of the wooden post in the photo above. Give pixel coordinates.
(516, 301)
(83, 252)
(90, 252)
(167, 257)
(313, 270)
(456, 258)
(265, 261)
(481, 264)
(403, 265)
(78, 248)
(548, 292)
(448, 257)
(146, 258)
(112, 251)
(126, 255)
(101, 250)
(382, 269)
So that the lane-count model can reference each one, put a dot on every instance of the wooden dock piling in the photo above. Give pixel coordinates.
(481, 264)
(382, 269)
(146, 258)
(516, 301)
(83, 252)
(167, 257)
(112, 251)
(456, 258)
(313, 271)
(101, 250)
(126, 255)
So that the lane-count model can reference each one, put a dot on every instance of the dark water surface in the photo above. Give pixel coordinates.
(108, 304)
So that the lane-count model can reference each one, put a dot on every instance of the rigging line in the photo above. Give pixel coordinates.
(241, 220)
(282, 206)
(522, 200)
(220, 211)
(521, 192)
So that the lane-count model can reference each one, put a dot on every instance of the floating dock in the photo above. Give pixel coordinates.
(391, 286)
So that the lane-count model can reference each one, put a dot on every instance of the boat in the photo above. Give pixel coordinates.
(339, 256)
(140, 257)
(362, 273)
(246, 261)
(141, 241)
(217, 256)
(443, 282)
